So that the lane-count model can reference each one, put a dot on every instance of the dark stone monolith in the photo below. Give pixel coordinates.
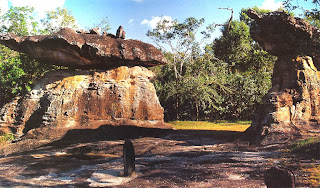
(128, 158)
(276, 177)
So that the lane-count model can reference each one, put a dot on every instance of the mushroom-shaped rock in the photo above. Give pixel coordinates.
(291, 108)
(281, 34)
(86, 51)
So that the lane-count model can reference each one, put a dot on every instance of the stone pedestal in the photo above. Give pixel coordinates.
(66, 99)
(292, 106)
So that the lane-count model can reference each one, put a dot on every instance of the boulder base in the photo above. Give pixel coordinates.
(69, 99)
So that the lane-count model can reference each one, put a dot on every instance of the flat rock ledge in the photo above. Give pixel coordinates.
(85, 50)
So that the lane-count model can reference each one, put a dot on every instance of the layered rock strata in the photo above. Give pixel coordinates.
(292, 106)
(119, 93)
(86, 99)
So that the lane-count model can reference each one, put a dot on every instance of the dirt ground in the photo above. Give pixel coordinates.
(164, 158)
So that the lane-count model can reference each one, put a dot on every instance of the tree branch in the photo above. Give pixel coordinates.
(230, 20)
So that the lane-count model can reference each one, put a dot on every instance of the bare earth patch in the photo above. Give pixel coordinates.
(163, 159)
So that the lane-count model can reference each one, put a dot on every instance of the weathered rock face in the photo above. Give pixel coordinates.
(66, 99)
(292, 106)
(85, 50)
(283, 35)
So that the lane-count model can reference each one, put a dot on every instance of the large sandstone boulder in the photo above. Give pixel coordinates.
(292, 106)
(67, 99)
(85, 50)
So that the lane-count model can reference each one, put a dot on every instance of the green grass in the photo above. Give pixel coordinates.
(239, 126)
(308, 147)
(6, 137)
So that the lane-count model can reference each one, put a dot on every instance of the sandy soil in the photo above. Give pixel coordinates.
(164, 158)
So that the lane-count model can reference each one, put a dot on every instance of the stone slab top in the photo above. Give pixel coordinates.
(81, 50)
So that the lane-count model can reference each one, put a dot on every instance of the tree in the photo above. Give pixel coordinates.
(17, 71)
(178, 41)
(18, 20)
(225, 80)
(312, 15)
(104, 25)
(56, 19)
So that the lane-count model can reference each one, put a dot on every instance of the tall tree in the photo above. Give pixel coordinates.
(55, 19)
(179, 41)
(17, 71)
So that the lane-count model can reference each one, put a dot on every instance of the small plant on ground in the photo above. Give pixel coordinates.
(6, 137)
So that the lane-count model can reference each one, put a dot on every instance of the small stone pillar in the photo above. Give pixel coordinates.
(128, 158)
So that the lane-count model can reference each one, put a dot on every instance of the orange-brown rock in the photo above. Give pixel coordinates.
(283, 35)
(66, 99)
(291, 108)
(85, 50)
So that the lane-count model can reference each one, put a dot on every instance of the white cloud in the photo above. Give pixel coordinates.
(130, 21)
(3, 6)
(271, 5)
(155, 20)
(40, 6)
(139, 1)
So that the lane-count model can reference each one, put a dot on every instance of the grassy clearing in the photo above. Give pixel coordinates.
(239, 126)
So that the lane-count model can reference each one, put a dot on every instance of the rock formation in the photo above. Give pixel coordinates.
(85, 50)
(292, 106)
(85, 99)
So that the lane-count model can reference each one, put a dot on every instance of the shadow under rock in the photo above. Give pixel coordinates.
(113, 133)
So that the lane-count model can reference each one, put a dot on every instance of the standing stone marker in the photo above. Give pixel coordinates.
(276, 177)
(128, 158)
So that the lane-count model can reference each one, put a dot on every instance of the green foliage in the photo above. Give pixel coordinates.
(16, 20)
(234, 46)
(56, 19)
(182, 82)
(6, 137)
(310, 147)
(312, 15)
(225, 80)
(18, 72)
(104, 25)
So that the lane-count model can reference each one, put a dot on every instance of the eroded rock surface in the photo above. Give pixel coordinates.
(66, 99)
(292, 106)
(283, 35)
(85, 50)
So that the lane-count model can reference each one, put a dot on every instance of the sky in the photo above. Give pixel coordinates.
(139, 16)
